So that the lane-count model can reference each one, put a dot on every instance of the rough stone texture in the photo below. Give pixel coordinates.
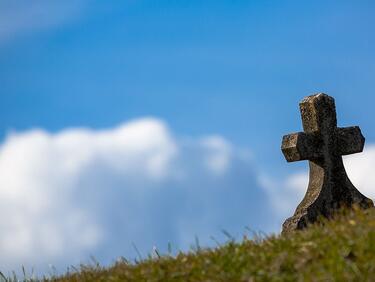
(323, 144)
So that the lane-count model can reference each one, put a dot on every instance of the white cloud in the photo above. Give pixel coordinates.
(360, 169)
(285, 194)
(23, 17)
(39, 172)
(82, 192)
(219, 153)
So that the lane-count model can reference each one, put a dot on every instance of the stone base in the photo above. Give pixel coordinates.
(307, 215)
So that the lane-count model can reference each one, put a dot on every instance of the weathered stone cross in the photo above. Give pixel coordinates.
(323, 144)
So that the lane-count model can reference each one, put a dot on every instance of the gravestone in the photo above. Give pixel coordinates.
(323, 144)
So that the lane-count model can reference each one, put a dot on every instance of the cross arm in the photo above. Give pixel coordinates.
(350, 140)
(301, 146)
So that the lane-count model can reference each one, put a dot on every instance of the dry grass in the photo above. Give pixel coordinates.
(337, 250)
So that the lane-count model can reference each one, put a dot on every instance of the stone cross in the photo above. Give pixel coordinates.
(323, 144)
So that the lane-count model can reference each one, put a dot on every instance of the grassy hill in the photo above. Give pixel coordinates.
(337, 250)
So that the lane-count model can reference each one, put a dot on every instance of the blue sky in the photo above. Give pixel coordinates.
(230, 72)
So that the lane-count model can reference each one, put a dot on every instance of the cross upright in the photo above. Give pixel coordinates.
(323, 144)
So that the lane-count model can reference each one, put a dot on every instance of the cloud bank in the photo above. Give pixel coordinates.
(82, 192)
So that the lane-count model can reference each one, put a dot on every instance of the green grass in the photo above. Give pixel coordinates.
(342, 249)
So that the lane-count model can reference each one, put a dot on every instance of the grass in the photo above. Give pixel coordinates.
(342, 249)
